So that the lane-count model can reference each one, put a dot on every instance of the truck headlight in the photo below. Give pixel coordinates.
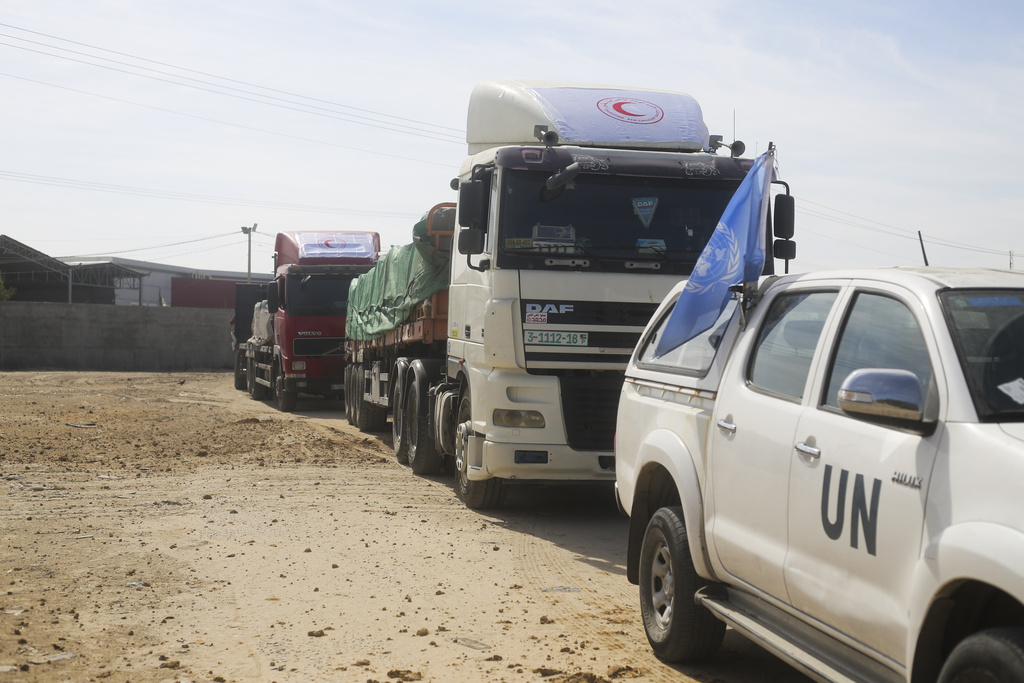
(298, 365)
(518, 418)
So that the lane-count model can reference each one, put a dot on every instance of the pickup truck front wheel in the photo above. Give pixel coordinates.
(993, 655)
(678, 629)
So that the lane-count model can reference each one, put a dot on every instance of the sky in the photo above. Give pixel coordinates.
(154, 130)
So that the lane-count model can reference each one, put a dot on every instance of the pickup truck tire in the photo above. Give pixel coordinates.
(678, 629)
(240, 382)
(399, 439)
(423, 456)
(476, 495)
(987, 656)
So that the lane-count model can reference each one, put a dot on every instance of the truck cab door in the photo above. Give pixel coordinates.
(858, 489)
(751, 440)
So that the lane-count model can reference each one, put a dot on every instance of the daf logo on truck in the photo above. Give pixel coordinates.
(538, 313)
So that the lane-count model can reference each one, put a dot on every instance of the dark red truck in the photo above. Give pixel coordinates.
(298, 331)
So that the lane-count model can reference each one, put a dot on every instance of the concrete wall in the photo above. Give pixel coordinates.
(41, 336)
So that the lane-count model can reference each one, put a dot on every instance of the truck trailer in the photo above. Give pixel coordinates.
(579, 207)
(298, 331)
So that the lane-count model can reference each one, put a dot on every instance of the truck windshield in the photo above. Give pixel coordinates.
(317, 294)
(613, 222)
(987, 326)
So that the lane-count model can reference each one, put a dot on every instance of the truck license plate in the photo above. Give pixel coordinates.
(556, 338)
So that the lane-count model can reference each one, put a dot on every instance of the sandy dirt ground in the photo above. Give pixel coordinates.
(166, 527)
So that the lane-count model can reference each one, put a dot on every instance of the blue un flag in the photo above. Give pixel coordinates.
(733, 255)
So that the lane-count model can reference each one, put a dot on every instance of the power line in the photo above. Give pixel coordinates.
(910, 234)
(184, 196)
(258, 98)
(227, 123)
(159, 246)
(224, 78)
(854, 244)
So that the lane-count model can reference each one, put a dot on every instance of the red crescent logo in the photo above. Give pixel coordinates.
(631, 110)
(327, 243)
(621, 108)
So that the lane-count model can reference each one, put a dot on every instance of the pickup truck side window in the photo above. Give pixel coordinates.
(987, 326)
(879, 332)
(786, 343)
(695, 356)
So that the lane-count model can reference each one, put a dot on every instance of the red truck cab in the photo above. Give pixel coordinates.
(309, 301)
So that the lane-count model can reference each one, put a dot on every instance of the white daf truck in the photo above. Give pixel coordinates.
(579, 208)
(835, 470)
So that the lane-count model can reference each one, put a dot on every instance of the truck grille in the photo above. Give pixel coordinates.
(318, 346)
(617, 313)
(589, 406)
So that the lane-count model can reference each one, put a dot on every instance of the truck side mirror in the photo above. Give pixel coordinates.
(784, 216)
(783, 225)
(471, 241)
(784, 249)
(272, 296)
(473, 204)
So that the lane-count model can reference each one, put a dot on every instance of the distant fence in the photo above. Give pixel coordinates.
(49, 336)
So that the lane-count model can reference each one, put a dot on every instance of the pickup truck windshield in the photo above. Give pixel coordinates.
(987, 326)
(317, 295)
(612, 222)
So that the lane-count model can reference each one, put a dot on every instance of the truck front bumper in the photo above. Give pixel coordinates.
(314, 385)
(541, 461)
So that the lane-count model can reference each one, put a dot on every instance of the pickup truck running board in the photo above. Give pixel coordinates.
(792, 641)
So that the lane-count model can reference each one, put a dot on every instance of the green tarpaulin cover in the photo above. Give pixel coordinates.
(382, 299)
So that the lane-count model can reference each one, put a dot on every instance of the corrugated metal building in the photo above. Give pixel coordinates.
(36, 276)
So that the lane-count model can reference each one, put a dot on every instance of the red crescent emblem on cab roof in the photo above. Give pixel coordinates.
(621, 108)
(337, 243)
(631, 110)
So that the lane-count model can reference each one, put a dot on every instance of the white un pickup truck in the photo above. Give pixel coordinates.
(838, 474)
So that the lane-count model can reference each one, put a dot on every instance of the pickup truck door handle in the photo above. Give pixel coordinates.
(727, 426)
(809, 451)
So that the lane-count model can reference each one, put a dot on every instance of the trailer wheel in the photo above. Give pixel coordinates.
(399, 440)
(256, 390)
(357, 396)
(423, 455)
(678, 629)
(476, 495)
(286, 400)
(349, 391)
(369, 418)
(240, 381)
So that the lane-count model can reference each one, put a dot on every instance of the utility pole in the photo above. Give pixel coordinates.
(249, 231)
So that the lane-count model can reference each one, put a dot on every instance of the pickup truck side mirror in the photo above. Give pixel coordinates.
(886, 397)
